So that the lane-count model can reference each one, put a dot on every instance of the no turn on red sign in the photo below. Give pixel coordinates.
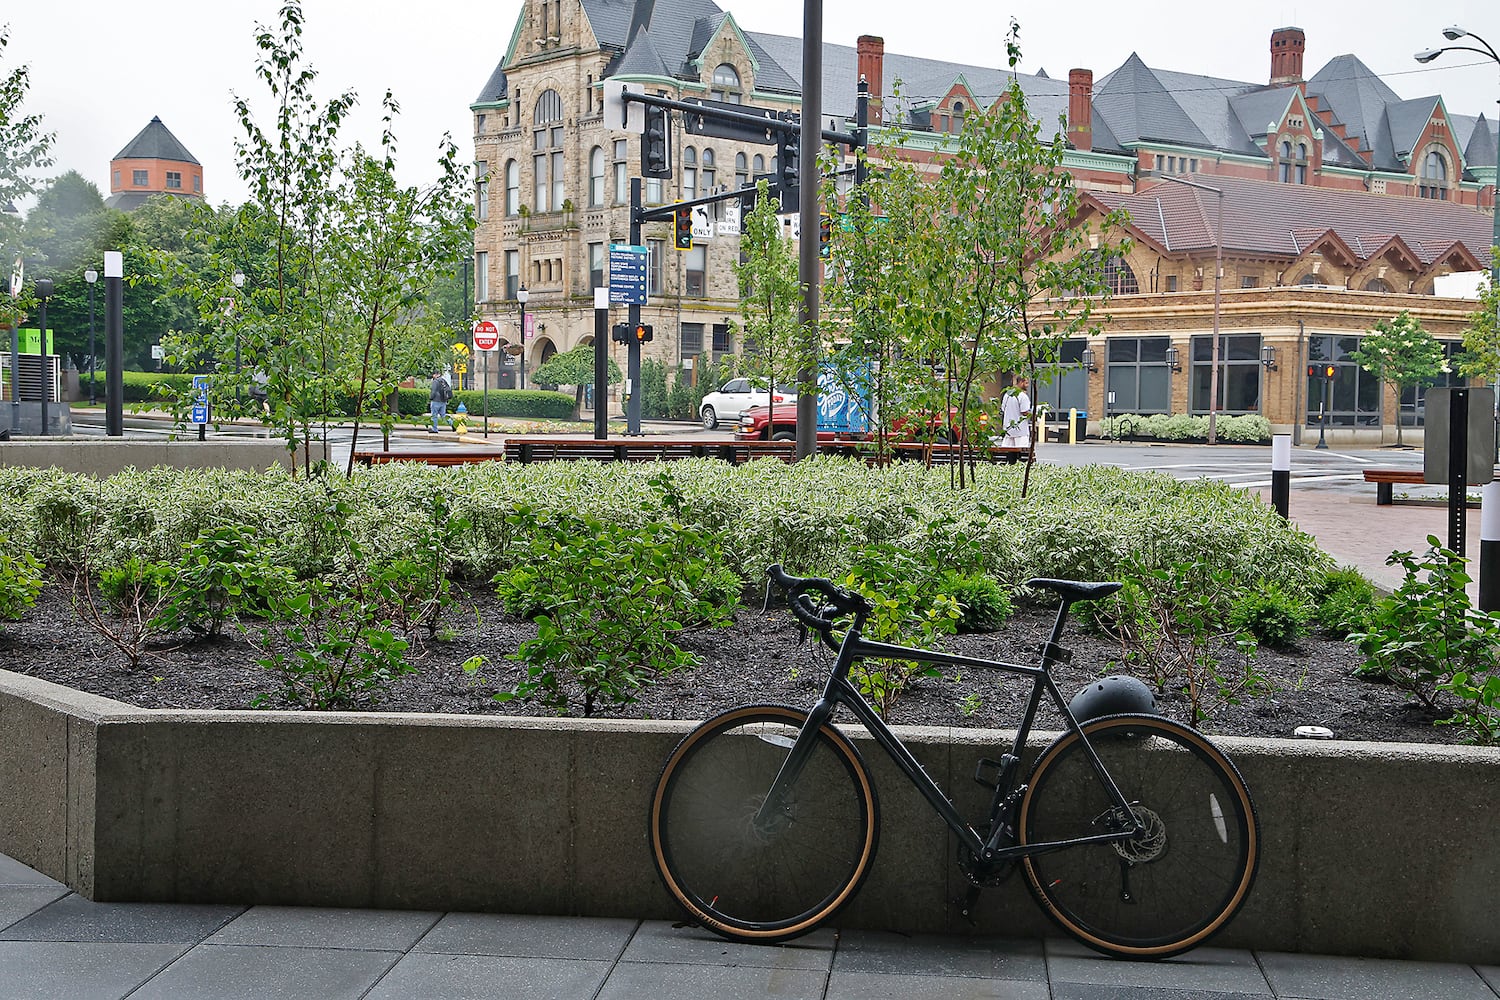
(486, 336)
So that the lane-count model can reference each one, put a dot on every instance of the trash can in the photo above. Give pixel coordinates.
(1080, 424)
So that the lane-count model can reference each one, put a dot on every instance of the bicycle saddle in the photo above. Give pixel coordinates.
(1075, 590)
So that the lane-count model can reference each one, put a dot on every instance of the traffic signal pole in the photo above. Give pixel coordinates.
(633, 348)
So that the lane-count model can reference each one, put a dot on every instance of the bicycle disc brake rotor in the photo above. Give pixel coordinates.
(1150, 845)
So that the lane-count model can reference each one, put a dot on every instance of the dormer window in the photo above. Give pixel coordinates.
(1286, 162)
(726, 84)
(958, 116)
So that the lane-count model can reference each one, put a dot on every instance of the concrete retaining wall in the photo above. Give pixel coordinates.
(103, 458)
(1369, 849)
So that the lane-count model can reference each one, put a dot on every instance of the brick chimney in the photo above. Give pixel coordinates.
(871, 66)
(1080, 108)
(1286, 56)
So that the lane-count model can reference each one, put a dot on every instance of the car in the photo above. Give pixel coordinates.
(736, 396)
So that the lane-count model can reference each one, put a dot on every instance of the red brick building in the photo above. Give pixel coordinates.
(153, 163)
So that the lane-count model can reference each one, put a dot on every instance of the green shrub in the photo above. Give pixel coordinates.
(983, 604)
(1345, 600)
(653, 390)
(1426, 634)
(223, 576)
(1245, 428)
(538, 404)
(909, 610)
(1275, 618)
(611, 597)
(20, 581)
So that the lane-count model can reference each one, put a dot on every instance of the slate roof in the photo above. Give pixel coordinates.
(155, 142)
(1270, 219)
(1133, 105)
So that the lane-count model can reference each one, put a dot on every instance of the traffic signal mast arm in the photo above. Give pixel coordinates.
(782, 125)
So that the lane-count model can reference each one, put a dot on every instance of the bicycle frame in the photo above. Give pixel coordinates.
(840, 691)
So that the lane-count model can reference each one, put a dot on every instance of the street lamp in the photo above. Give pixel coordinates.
(43, 293)
(1453, 33)
(521, 296)
(91, 276)
(1213, 371)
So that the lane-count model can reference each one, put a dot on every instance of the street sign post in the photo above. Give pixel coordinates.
(627, 274)
(199, 414)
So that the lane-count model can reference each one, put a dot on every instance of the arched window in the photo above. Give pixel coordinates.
(958, 116)
(1377, 285)
(1119, 277)
(726, 84)
(1301, 163)
(1434, 176)
(708, 171)
(741, 170)
(512, 187)
(759, 164)
(596, 176)
(1285, 172)
(1309, 279)
(689, 173)
(547, 152)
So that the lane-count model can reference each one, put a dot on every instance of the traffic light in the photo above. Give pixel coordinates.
(1322, 371)
(1328, 372)
(788, 158)
(643, 333)
(825, 234)
(682, 229)
(620, 333)
(656, 151)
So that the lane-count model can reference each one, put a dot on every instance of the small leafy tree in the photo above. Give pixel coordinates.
(24, 149)
(1481, 356)
(770, 296)
(575, 368)
(1401, 352)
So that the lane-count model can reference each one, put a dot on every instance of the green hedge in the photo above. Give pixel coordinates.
(1082, 522)
(1242, 429)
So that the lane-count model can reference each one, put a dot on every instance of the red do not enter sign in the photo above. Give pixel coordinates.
(486, 336)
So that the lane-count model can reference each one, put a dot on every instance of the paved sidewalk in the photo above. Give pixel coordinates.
(55, 945)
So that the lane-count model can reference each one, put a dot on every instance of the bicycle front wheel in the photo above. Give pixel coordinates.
(1167, 889)
(780, 877)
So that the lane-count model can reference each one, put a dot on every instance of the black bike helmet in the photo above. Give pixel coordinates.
(1113, 695)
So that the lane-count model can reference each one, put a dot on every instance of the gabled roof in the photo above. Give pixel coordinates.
(1285, 220)
(1257, 109)
(155, 142)
(1407, 120)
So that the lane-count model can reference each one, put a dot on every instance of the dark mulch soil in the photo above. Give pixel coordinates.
(759, 658)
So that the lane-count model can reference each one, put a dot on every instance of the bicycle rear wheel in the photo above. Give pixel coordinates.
(778, 879)
(1167, 890)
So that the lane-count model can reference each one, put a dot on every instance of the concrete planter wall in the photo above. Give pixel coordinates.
(1370, 849)
(104, 458)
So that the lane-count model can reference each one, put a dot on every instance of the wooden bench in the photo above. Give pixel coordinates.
(431, 456)
(1385, 478)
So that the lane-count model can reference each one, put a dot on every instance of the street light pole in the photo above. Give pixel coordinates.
(1453, 33)
(239, 282)
(91, 276)
(1213, 372)
(43, 293)
(521, 296)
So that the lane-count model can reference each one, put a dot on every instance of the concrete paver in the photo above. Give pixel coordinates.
(147, 951)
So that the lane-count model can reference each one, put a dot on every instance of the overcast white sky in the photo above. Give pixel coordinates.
(101, 69)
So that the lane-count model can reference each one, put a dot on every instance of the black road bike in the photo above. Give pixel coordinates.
(1137, 835)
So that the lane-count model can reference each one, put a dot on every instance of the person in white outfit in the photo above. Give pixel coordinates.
(1015, 418)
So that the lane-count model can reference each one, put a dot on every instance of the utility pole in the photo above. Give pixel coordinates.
(809, 263)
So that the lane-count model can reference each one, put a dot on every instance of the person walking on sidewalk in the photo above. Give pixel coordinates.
(437, 399)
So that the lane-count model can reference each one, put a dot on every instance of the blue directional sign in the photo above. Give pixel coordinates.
(627, 274)
(200, 400)
(200, 414)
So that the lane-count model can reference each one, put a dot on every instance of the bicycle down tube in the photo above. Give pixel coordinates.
(840, 691)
